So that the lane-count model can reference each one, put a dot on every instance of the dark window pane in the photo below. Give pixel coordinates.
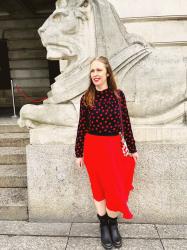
(4, 66)
(54, 70)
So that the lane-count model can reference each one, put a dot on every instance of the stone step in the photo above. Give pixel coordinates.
(13, 176)
(29, 73)
(13, 204)
(9, 125)
(22, 34)
(33, 83)
(14, 139)
(19, 101)
(31, 91)
(7, 24)
(12, 155)
(28, 64)
(24, 44)
(27, 54)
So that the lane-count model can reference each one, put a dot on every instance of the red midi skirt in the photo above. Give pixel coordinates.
(110, 172)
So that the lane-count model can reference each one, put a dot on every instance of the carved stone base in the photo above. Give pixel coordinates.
(59, 191)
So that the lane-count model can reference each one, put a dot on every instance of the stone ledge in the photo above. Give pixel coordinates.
(172, 231)
(50, 134)
(127, 230)
(79, 243)
(32, 228)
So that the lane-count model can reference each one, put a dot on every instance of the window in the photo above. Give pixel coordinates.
(4, 66)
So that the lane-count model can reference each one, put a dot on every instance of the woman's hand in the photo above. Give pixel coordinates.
(135, 156)
(79, 162)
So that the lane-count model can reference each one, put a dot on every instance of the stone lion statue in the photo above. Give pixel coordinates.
(154, 80)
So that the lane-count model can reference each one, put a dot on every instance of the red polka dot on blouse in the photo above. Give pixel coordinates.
(104, 119)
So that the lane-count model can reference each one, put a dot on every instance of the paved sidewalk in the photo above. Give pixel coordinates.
(19, 235)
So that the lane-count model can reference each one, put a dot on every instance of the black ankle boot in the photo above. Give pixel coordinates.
(114, 232)
(105, 232)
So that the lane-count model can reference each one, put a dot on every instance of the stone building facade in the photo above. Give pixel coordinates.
(164, 24)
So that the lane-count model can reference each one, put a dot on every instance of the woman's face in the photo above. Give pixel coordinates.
(98, 73)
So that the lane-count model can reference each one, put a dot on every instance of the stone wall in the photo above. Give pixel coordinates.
(163, 23)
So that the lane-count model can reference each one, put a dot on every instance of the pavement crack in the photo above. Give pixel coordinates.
(68, 236)
(159, 236)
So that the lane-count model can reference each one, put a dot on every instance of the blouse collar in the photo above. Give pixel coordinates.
(101, 92)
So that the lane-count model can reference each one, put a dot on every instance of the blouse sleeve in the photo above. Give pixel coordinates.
(128, 134)
(81, 129)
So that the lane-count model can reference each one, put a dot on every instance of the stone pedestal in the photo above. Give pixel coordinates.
(59, 191)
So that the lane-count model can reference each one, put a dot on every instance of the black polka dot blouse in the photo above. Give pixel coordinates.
(104, 119)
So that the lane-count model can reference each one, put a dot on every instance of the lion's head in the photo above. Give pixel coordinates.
(64, 32)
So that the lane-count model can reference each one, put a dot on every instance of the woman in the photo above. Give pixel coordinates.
(99, 143)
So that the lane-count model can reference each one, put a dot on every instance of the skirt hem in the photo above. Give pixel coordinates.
(126, 214)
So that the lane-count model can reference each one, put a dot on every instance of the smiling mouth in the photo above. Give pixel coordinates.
(96, 79)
